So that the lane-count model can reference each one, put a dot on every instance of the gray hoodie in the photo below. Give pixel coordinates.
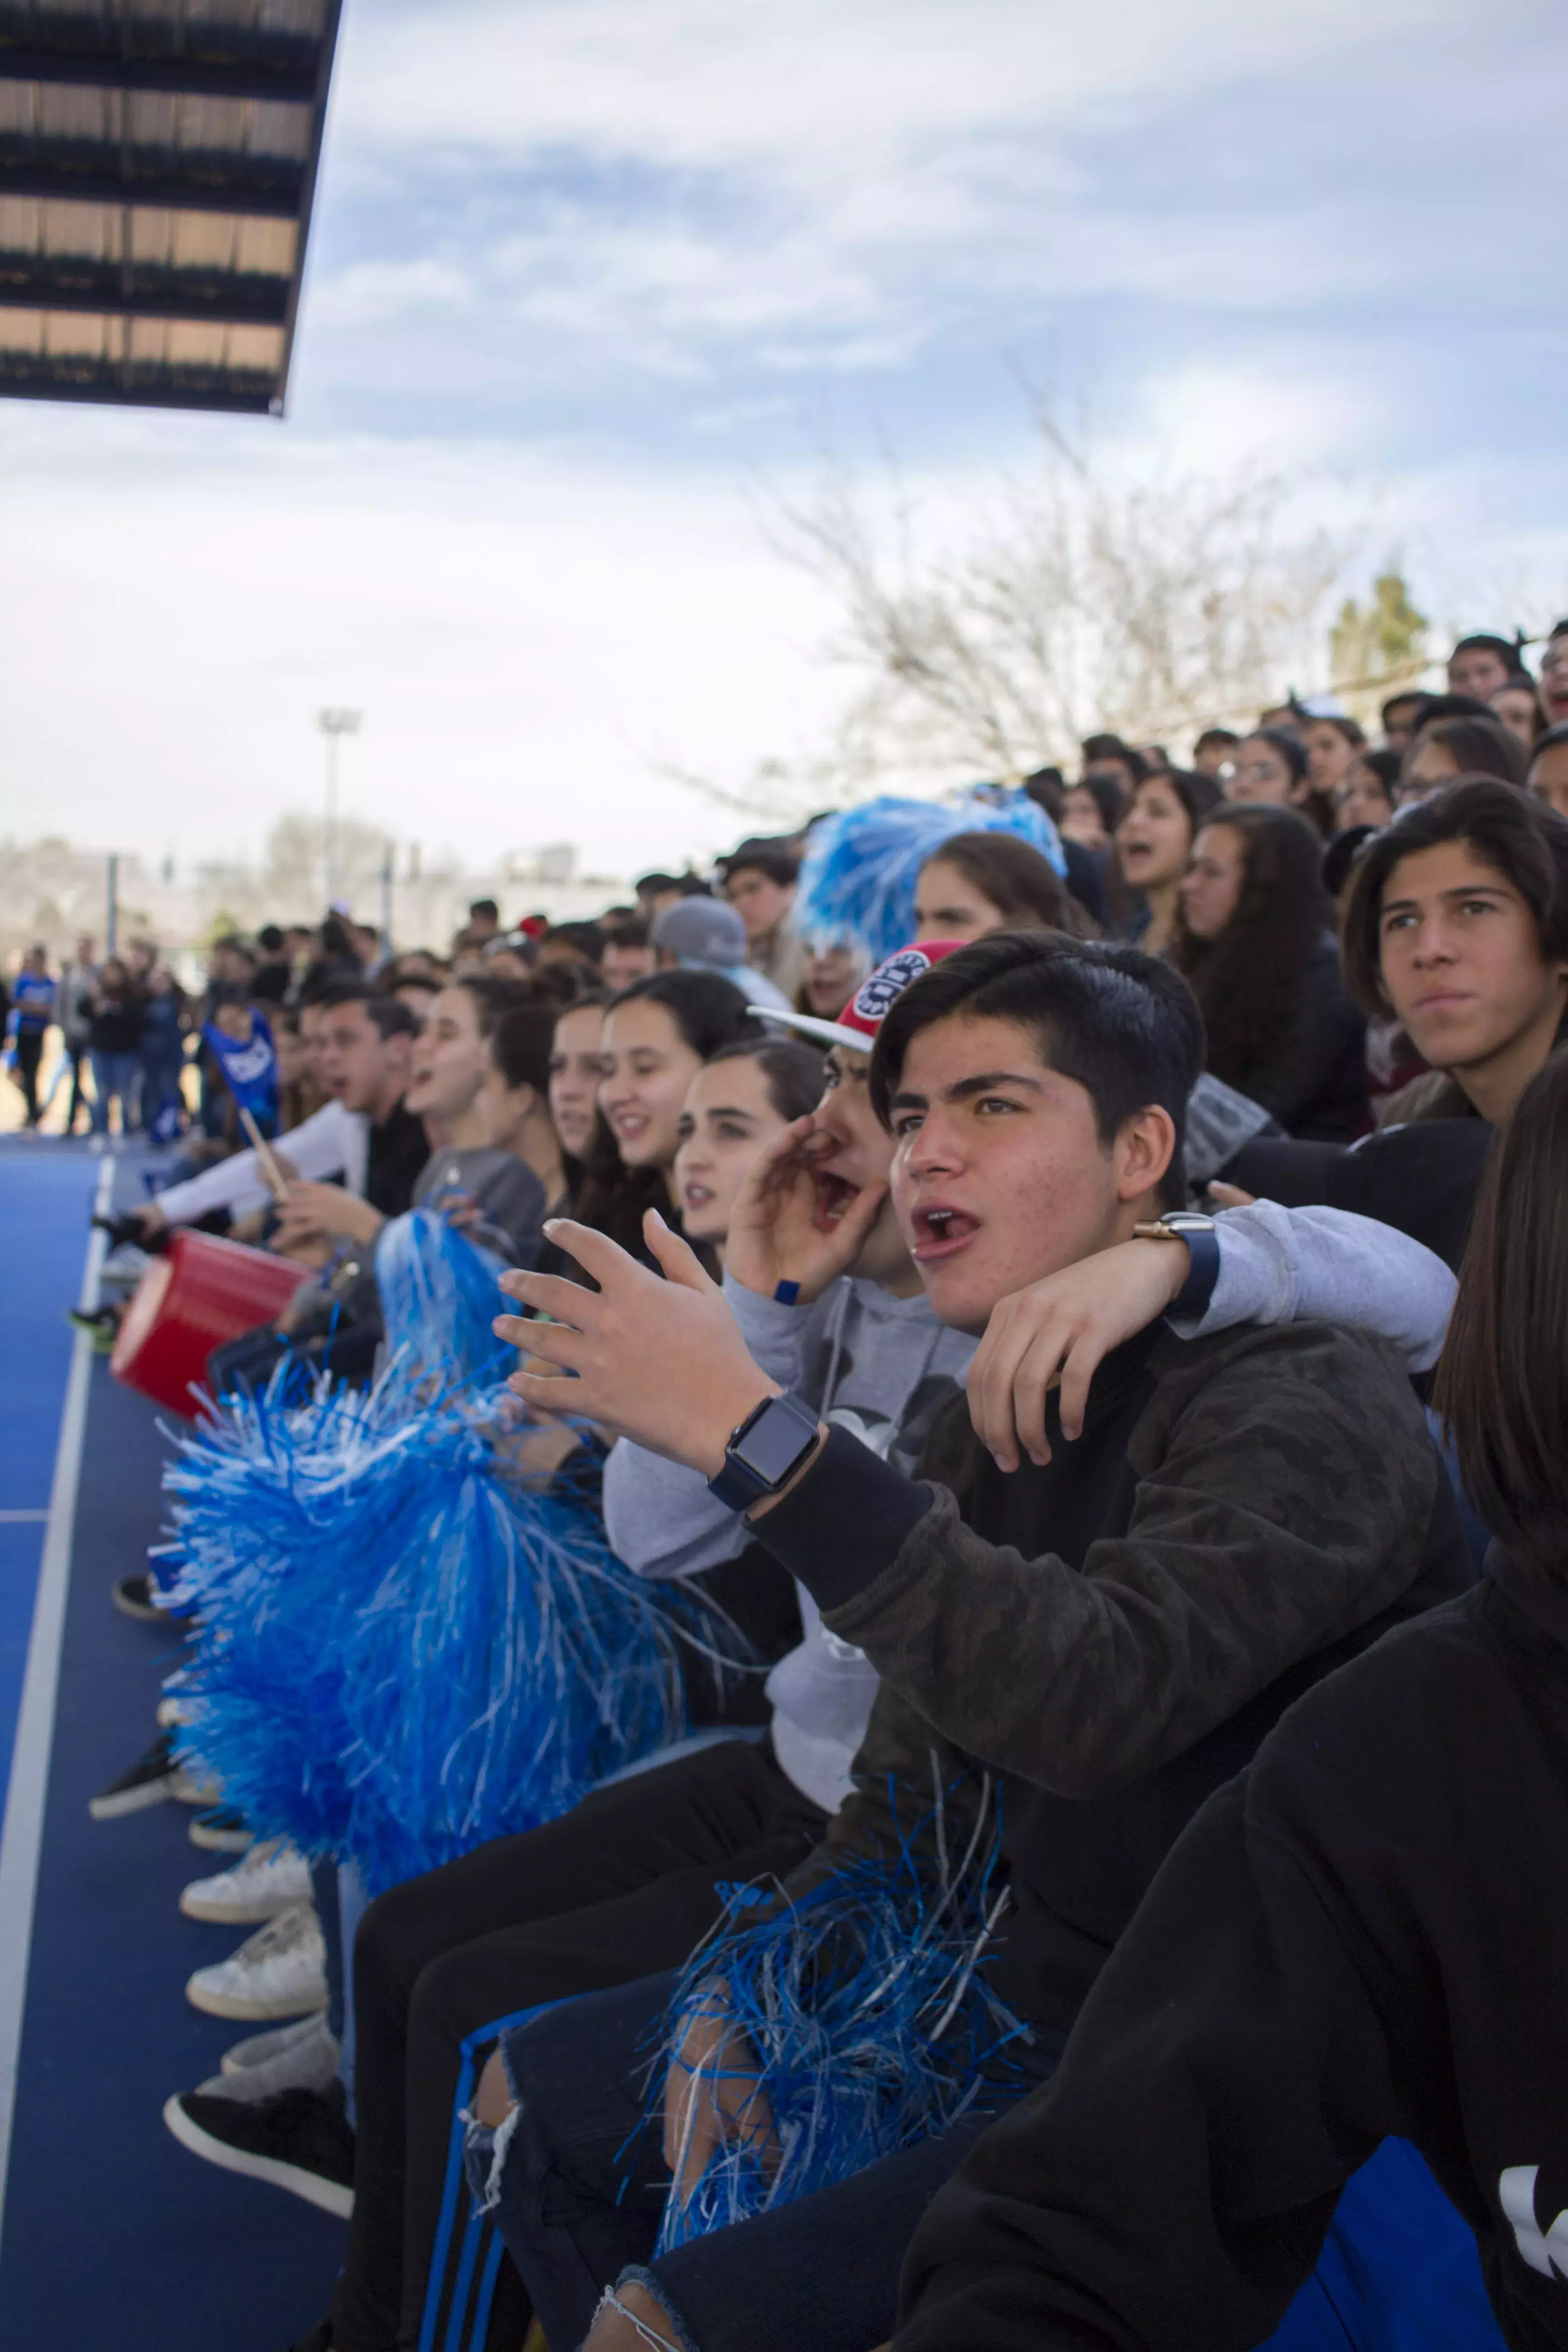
(882, 1367)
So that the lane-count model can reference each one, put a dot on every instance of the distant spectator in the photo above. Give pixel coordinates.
(1516, 704)
(273, 976)
(78, 980)
(1270, 766)
(114, 1040)
(1110, 752)
(657, 891)
(707, 935)
(416, 990)
(1366, 796)
(483, 923)
(1047, 787)
(1213, 749)
(759, 881)
(1554, 688)
(1549, 768)
(1479, 665)
(163, 1052)
(628, 953)
(833, 971)
(1092, 809)
(1254, 940)
(1333, 743)
(1153, 849)
(1447, 748)
(509, 956)
(32, 1013)
(579, 942)
(367, 947)
(1401, 715)
(981, 882)
(140, 955)
(1156, 757)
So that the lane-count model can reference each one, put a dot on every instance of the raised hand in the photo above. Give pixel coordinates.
(792, 1222)
(1060, 1329)
(659, 1361)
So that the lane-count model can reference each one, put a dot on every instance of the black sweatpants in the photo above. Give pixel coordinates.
(29, 1053)
(625, 1884)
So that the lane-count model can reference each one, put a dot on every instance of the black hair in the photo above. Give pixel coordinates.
(1095, 748)
(271, 937)
(707, 1010)
(494, 995)
(1105, 788)
(1342, 853)
(1548, 740)
(1481, 747)
(1450, 706)
(1507, 649)
(336, 943)
(1046, 788)
(1351, 729)
(521, 1041)
(770, 858)
(1514, 833)
(1405, 694)
(1214, 735)
(1384, 765)
(1119, 1022)
(391, 1018)
(624, 932)
(1286, 745)
(484, 907)
(1248, 979)
(585, 939)
(791, 1071)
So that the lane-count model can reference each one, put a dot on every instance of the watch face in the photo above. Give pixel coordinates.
(775, 1441)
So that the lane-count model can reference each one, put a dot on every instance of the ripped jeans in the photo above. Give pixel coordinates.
(581, 2182)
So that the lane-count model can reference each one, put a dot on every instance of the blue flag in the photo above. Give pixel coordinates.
(250, 1071)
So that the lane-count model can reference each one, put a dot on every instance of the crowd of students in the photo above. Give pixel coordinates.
(1155, 1554)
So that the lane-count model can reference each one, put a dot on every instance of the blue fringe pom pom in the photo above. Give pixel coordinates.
(405, 1650)
(864, 2010)
(861, 866)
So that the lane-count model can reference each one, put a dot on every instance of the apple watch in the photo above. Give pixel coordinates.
(1189, 1226)
(764, 1452)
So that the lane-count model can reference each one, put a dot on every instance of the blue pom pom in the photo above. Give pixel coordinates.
(404, 1649)
(861, 866)
(863, 2006)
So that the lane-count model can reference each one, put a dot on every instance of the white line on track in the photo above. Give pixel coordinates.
(23, 1834)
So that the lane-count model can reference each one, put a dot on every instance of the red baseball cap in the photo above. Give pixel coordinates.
(857, 1024)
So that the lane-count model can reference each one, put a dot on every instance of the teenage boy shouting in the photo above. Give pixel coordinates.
(1108, 1633)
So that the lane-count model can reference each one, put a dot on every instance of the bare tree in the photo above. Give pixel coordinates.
(1090, 597)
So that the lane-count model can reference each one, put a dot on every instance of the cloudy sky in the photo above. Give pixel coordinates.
(596, 284)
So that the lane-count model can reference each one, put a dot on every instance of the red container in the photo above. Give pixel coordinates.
(202, 1292)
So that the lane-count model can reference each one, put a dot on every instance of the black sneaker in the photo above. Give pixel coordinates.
(222, 1828)
(300, 2140)
(151, 1780)
(134, 1595)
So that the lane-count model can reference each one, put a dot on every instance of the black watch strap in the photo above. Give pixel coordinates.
(764, 1452)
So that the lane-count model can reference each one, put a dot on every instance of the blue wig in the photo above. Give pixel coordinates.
(861, 866)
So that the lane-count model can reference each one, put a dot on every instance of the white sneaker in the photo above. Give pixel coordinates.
(281, 1971)
(302, 2057)
(260, 2049)
(272, 1877)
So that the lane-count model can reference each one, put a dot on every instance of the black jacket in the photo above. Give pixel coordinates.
(1366, 1935)
(1314, 1080)
(1115, 1634)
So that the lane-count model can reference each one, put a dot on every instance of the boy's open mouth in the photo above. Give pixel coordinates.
(941, 1230)
(833, 1194)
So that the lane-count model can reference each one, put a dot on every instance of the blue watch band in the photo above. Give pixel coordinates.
(1192, 1299)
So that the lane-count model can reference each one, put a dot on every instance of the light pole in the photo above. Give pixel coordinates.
(334, 725)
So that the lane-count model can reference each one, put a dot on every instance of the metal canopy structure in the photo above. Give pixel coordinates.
(157, 166)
